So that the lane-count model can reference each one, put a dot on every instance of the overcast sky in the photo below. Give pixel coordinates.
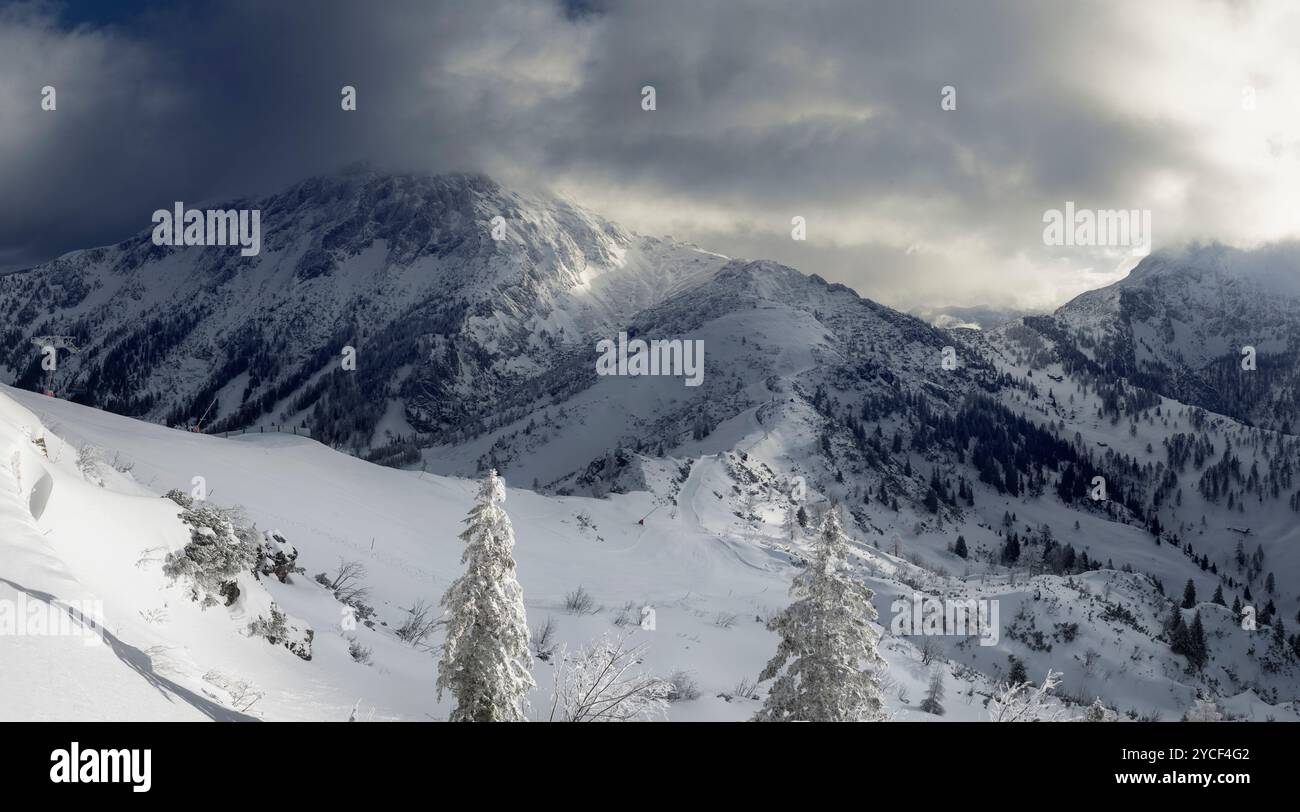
(765, 111)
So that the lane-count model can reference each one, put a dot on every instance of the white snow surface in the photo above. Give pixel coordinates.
(710, 576)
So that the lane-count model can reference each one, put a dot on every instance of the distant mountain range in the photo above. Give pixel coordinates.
(474, 352)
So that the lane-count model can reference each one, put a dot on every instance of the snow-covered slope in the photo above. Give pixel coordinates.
(772, 338)
(713, 557)
(75, 645)
(403, 526)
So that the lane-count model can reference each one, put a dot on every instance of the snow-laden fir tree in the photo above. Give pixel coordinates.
(827, 668)
(1203, 710)
(1098, 712)
(792, 524)
(485, 660)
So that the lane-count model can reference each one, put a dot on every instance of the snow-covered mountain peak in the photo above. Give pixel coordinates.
(1274, 267)
(446, 285)
(1209, 324)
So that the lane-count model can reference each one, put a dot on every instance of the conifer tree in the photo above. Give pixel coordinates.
(933, 702)
(1011, 550)
(1199, 650)
(485, 662)
(1179, 636)
(1203, 710)
(1017, 675)
(792, 523)
(1098, 712)
(827, 667)
(1189, 595)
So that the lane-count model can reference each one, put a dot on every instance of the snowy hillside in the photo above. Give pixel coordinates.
(708, 573)
(1107, 485)
(706, 579)
(772, 336)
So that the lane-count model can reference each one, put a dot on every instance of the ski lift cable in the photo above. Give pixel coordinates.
(198, 427)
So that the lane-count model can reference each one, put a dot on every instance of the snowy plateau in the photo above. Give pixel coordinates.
(1105, 485)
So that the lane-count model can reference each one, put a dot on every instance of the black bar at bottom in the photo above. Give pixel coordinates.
(329, 762)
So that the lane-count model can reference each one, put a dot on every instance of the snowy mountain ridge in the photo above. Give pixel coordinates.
(1182, 322)
(964, 463)
(406, 269)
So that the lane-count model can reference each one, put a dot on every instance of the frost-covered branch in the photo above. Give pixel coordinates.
(1025, 702)
(600, 684)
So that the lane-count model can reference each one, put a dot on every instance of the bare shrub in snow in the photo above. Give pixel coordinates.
(89, 459)
(150, 556)
(745, 689)
(243, 694)
(359, 652)
(543, 640)
(929, 648)
(580, 602)
(346, 584)
(682, 687)
(120, 465)
(419, 624)
(629, 615)
(348, 589)
(724, 620)
(601, 683)
(155, 616)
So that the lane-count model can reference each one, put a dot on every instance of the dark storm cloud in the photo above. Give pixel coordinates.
(765, 110)
(207, 101)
